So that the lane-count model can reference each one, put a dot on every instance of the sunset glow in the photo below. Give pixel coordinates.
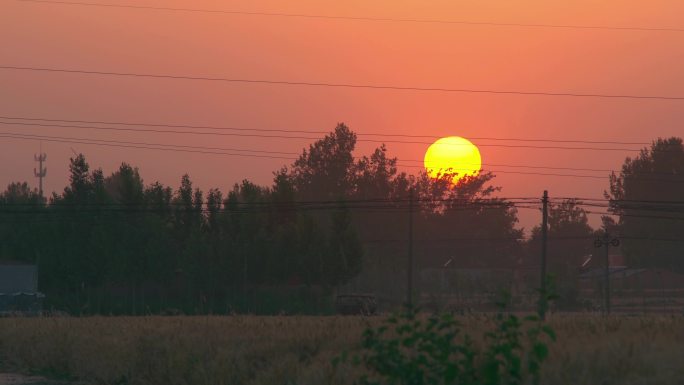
(317, 192)
(452, 154)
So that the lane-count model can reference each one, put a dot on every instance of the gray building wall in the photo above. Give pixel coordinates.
(18, 279)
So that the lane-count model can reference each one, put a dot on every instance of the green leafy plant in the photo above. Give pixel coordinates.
(410, 349)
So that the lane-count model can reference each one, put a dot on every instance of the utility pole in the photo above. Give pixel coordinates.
(409, 267)
(606, 242)
(544, 233)
(607, 272)
(41, 172)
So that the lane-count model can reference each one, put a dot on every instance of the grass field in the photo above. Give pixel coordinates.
(298, 350)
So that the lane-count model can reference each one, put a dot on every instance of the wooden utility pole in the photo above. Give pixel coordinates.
(409, 267)
(606, 242)
(544, 234)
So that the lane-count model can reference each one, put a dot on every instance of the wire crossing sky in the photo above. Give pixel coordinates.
(361, 18)
(316, 138)
(555, 95)
(308, 131)
(340, 85)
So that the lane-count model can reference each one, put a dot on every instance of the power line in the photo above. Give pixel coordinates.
(289, 137)
(283, 152)
(224, 128)
(137, 130)
(474, 239)
(389, 203)
(557, 238)
(636, 215)
(51, 216)
(642, 207)
(204, 127)
(461, 203)
(340, 85)
(49, 213)
(58, 209)
(155, 144)
(372, 205)
(608, 201)
(219, 151)
(674, 207)
(633, 204)
(74, 211)
(137, 145)
(653, 239)
(654, 206)
(316, 138)
(363, 18)
(469, 201)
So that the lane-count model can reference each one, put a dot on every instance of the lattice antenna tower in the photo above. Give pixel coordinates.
(41, 172)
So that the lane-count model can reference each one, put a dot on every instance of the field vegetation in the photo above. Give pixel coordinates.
(300, 350)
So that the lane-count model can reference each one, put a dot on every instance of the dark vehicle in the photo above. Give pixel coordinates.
(356, 304)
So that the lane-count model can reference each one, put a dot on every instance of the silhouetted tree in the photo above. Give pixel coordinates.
(125, 186)
(106, 240)
(22, 223)
(647, 196)
(326, 170)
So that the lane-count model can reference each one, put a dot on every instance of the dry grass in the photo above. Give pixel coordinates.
(298, 350)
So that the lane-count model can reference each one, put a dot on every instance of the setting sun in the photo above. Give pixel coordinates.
(452, 154)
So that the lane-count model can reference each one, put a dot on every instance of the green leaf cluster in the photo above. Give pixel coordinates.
(411, 349)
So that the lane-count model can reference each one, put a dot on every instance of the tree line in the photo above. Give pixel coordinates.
(116, 245)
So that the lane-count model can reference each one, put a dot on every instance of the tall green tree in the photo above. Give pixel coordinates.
(22, 224)
(376, 175)
(647, 197)
(20, 194)
(326, 170)
(107, 242)
(125, 186)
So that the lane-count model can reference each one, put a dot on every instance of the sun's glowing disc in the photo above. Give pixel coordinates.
(453, 154)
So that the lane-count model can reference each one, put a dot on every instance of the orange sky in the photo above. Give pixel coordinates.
(343, 51)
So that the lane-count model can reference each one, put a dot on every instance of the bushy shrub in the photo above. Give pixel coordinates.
(407, 349)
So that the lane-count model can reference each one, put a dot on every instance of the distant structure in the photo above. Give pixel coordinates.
(19, 289)
(634, 290)
(41, 172)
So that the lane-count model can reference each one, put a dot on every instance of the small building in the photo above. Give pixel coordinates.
(19, 289)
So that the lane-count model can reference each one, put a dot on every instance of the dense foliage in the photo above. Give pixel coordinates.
(114, 244)
(410, 350)
(647, 195)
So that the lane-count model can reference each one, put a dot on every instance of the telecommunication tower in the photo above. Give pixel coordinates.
(41, 172)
